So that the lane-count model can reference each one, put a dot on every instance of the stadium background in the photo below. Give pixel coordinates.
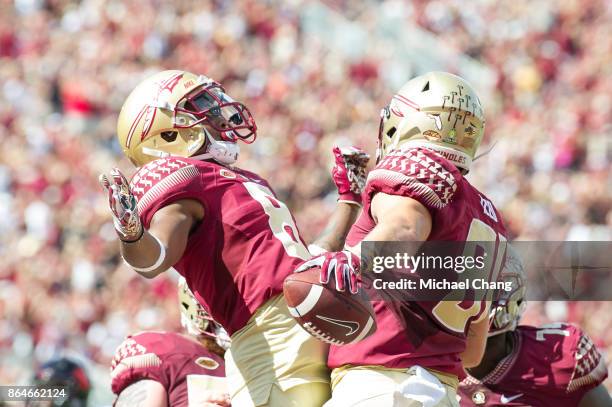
(313, 74)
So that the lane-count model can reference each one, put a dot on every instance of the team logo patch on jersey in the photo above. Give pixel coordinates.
(227, 174)
(207, 363)
(479, 398)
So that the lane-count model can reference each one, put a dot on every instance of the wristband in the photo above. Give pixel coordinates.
(135, 240)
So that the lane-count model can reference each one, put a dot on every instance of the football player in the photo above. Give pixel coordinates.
(66, 373)
(158, 369)
(553, 365)
(223, 229)
(427, 139)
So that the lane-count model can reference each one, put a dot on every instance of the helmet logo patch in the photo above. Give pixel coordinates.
(133, 126)
(451, 137)
(168, 84)
(436, 119)
(432, 135)
(149, 116)
(148, 111)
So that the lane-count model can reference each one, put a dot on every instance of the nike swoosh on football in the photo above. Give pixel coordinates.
(505, 399)
(352, 326)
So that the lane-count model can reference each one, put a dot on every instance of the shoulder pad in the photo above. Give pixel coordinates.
(153, 179)
(590, 367)
(164, 181)
(133, 361)
(416, 173)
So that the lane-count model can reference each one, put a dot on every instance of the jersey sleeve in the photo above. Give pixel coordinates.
(417, 173)
(134, 360)
(164, 181)
(588, 368)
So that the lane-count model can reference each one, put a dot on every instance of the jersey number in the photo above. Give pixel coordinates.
(551, 329)
(280, 220)
(454, 314)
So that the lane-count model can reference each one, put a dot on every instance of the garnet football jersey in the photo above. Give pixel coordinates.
(238, 256)
(178, 363)
(554, 365)
(430, 334)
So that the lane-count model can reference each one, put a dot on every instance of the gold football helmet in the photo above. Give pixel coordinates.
(196, 320)
(437, 110)
(509, 306)
(173, 113)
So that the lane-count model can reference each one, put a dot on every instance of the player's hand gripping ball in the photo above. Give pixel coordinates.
(323, 295)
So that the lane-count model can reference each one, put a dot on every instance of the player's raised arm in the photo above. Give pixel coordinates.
(150, 252)
(349, 175)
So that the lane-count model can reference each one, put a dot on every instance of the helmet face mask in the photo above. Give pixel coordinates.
(196, 320)
(438, 111)
(211, 106)
(509, 306)
(177, 113)
(384, 116)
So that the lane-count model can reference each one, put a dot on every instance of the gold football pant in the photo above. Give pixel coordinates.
(374, 386)
(274, 362)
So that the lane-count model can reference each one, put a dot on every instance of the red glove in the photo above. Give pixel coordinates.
(343, 265)
(349, 173)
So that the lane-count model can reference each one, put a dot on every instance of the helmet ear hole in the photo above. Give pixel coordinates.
(169, 136)
(391, 132)
(426, 87)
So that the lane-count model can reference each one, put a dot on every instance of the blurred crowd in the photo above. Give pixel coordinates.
(66, 66)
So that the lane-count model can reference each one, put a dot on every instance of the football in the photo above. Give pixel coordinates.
(335, 317)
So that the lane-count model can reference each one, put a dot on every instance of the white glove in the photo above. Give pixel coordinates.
(122, 203)
(422, 386)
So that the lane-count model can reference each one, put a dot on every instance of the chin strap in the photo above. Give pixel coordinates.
(189, 326)
(223, 152)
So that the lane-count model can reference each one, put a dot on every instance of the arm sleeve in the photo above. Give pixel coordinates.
(417, 173)
(163, 182)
